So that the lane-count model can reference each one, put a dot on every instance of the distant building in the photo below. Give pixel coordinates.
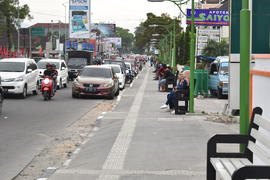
(218, 33)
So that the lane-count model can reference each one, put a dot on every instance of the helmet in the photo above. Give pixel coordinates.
(48, 65)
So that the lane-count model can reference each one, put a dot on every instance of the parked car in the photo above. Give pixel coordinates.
(119, 62)
(218, 81)
(97, 81)
(61, 66)
(19, 76)
(119, 73)
(1, 97)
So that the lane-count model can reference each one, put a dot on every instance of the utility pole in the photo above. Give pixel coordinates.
(19, 25)
(30, 42)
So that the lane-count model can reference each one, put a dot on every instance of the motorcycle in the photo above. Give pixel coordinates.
(47, 88)
(129, 77)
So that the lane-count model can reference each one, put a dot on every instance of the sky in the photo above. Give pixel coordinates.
(125, 13)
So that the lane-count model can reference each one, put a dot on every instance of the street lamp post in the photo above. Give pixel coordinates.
(64, 4)
(172, 44)
(244, 67)
(179, 3)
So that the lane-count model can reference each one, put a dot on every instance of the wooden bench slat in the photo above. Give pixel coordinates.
(220, 169)
(259, 152)
(260, 137)
(228, 165)
(238, 162)
(262, 123)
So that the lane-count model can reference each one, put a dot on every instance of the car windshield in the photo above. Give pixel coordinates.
(77, 61)
(128, 66)
(117, 62)
(116, 69)
(42, 64)
(224, 68)
(12, 66)
(96, 72)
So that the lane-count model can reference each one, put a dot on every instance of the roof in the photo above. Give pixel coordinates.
(112, 65)
(16, 59)
(51, 60)
(50, 25)
(96, 66)
(225, 5)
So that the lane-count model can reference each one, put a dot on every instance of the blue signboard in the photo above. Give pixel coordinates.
(208, 17)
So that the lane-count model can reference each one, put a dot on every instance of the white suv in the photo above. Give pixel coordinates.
(19, 76)
(119, 73)
(61, 67)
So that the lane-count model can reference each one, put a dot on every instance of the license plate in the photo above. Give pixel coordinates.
(181, 103)
(90, 89)
(170, 85)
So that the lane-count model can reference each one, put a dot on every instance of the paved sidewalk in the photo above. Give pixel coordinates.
(139, 141)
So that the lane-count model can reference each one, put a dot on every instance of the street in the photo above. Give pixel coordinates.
(28, 125)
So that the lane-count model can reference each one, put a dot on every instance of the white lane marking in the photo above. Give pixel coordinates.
(100, 117)
(119, 98)
(103, 113)
(42, 178)
(117, 155)
(95, 129)
(85, 141)
(51, 168)
(77, 151)
(131, 84)
(67, 162)
(131, 172)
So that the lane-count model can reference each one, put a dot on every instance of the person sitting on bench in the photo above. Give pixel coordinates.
(168, 75)
(182, 84)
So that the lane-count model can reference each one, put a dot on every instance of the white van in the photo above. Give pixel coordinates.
(61, 67)
(19, 76)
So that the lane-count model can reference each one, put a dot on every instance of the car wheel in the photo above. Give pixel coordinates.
(35, 92)
(219, 94)
(60, 86)
(117, 92)
(74, 95)
(1, 102)
(111, 96)
(24, 93)
(65, 85)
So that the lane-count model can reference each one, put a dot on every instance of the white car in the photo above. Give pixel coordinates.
(19, 76)
(119, 73)
(61, 67)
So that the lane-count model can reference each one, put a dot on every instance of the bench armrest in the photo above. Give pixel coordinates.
(252, 172)
(226, 139)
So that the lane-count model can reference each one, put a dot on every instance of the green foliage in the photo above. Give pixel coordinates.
(143, 33)
(127, 39)
(214, 49)
(11, 12)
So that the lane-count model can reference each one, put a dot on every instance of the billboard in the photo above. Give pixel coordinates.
(117, 41)
(79, 18)
(208, 17)
(102, 29)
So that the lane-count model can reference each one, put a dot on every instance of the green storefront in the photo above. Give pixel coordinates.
(260, 26)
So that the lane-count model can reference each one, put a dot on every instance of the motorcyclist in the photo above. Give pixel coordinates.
(55, 74)
(52, 73)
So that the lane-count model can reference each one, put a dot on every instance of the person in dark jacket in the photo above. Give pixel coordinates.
(171, 97)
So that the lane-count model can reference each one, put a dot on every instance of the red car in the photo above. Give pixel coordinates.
(96, 81)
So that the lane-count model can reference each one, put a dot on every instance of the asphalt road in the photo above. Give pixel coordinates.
(27, 125)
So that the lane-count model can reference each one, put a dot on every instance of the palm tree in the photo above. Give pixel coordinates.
(214, 49)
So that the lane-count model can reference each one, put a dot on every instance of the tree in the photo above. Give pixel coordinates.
(143, 33)
(127, 39)
(214, 49)
(11, 12)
